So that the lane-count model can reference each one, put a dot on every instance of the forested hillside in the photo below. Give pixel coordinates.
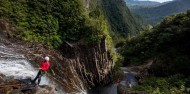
(153, 15)
(165, 41)
(121, 20)
(167, 44)
(53, 22)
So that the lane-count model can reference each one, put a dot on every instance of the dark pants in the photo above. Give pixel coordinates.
(39, 75)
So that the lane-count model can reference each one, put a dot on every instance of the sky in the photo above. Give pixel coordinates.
(161, 1)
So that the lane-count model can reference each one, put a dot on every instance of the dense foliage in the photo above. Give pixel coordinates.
(53, 21)
(176, 84)
(167, 44)
(153, 15)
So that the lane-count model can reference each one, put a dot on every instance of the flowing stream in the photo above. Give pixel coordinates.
(13, 64)
(128, 81)
(108, 89)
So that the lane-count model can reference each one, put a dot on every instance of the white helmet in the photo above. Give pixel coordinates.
(46, 58)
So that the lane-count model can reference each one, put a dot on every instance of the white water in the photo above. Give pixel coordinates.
(16, 65)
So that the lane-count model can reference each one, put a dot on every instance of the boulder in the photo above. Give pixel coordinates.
(44, 90)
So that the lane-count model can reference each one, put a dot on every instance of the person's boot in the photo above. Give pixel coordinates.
(33, 83)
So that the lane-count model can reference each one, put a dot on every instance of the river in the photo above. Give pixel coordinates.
(108, 89)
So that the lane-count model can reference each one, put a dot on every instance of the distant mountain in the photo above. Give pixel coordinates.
(153, 15)
(142, 3)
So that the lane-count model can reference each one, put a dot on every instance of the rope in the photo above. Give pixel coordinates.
(10, 85)
(60, 82)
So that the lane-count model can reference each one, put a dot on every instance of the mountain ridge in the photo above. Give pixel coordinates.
(153, 15)
(145, 3)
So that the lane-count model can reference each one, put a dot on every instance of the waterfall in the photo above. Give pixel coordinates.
(18, 66)
(129, 79)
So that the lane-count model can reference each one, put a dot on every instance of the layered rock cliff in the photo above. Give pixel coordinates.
(92, 63)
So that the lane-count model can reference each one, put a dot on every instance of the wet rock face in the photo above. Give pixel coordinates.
(8, 29)
(44, 90)
(8, 85)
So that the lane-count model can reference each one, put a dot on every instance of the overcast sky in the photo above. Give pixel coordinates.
(157, 0)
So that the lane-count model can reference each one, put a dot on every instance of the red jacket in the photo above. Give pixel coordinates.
(44, 65)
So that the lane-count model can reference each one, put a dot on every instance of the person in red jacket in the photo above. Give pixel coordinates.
(43, 67)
